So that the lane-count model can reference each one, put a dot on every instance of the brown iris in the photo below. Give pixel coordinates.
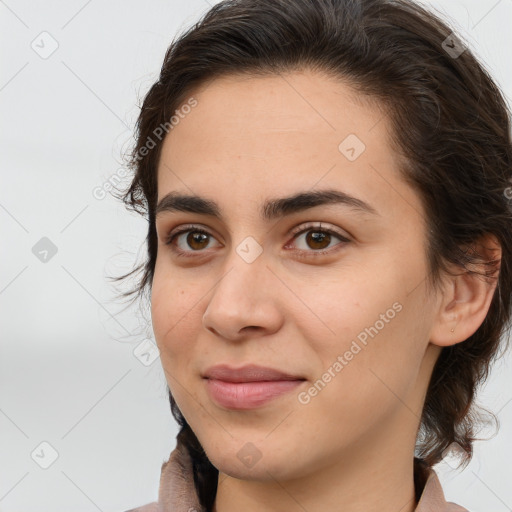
(313, 238)
(196, 237)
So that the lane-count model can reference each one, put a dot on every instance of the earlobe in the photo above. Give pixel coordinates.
(467, 296)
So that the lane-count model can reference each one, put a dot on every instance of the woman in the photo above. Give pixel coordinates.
(327, 190)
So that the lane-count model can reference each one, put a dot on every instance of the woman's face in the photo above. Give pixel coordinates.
(343, 307)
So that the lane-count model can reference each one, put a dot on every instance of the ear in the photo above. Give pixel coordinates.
(465, 298)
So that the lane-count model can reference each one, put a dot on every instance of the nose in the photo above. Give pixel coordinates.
(244, 301)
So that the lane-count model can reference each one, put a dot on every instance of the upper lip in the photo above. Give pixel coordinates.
(248, 373)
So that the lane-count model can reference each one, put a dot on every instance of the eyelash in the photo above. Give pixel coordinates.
(295, 233)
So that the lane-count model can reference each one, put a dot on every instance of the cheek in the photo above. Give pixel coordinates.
(374, 339)
(174, 313)
(175, 321)
(370, 383)
(353, 306)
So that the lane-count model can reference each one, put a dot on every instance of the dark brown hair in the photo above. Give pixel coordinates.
(450, 124)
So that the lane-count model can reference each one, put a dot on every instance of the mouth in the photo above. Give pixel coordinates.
(248, 387)
(248, 395)
(248, 373)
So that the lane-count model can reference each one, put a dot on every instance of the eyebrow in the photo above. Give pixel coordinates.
(272, 209)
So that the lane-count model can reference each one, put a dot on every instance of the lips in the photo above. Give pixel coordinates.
(248, 387)
(248, 373)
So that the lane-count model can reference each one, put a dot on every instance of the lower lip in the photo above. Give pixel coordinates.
(248, 395)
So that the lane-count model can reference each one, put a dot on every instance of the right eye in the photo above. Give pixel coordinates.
(196, 239)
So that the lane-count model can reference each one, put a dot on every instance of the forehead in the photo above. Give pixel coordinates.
(259, 135)
(300, 101)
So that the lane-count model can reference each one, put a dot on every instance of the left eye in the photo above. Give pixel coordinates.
(319, 239)
(196, 236)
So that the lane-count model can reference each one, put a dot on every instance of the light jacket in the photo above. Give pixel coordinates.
(177, 492)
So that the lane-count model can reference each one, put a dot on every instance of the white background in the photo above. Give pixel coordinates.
(68, 374)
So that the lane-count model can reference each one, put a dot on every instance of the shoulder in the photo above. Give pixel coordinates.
(150, 507)
(433, 499)
(453, 507)
(177, 488)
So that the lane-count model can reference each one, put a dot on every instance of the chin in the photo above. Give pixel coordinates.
(250, 463)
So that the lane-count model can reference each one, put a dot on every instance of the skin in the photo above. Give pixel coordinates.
(248, 140)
